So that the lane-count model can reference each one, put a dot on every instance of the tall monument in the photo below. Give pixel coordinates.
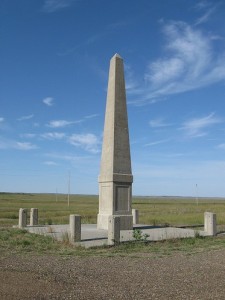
(115, 179)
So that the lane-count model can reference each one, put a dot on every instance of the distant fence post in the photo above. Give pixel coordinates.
(33, 216)
(210, 223)
(75, 228)
(113, 230)
(135, 214)
(22, 217)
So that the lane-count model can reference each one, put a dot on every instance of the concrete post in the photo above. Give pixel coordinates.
(75, 228)
(113, 230)
(135, 214)
(22, 217)
(210, 223)
(33, 216)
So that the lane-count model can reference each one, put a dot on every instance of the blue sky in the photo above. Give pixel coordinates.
(54, 61)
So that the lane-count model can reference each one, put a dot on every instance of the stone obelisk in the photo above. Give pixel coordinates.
(115, 179)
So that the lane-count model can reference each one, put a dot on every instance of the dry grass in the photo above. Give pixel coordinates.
(152, 210)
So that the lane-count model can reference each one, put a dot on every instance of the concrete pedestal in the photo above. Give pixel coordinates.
(210, 223)
(75, 228)
(135, 214)
(22, 217)
(113, 230)
(33, 216)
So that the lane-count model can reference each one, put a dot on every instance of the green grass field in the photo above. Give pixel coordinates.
(152, 210)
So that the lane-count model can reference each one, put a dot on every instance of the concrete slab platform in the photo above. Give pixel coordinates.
(93, 237)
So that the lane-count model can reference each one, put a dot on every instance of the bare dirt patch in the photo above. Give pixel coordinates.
(178, 276)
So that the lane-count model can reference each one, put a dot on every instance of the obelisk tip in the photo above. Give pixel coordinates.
(117, 56)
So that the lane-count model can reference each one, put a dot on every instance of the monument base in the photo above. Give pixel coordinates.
(126, 221)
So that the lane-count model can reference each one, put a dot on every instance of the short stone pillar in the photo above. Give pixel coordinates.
(135, 214)
(75, 228)
(210, 223)
(113, 230)
(33, 216)
(22, 217)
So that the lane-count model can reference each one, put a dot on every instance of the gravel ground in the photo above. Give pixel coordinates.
(179, 276)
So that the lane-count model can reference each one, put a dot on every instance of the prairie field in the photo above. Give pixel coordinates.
(55, 209)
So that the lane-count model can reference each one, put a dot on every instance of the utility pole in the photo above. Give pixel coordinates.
(68, 197)
(196, 193)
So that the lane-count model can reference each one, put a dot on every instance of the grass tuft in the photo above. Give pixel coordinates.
(20, 242)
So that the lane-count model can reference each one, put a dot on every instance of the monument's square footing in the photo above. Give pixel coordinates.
(91, 236)
(126, 221)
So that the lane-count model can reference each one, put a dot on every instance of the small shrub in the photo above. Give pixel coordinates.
(49, 221)
(139, 236)
(14, 217)
(65, 238)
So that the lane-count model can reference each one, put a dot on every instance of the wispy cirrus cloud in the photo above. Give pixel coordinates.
(89, 142)
(3, 125)
(197, 127)
(157, 142)
(50, 163)
(91, 116)
(53, 135)
(24, 118)
(207, 8)
(48, 101)
(157, 123)
(51, 6)
(25, 146)
(190, 63)
(64, 123)
(204, 18)
(11, 144)
(28, 135)
(221, 146)
(61, 123)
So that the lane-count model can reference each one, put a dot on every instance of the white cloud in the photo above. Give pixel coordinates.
(61, 123)
(88, 141)
(163, 71)
(53, 135)
(28, 135)
(11, 144)
(1, 119)
(50, 163)
(195, 127)
(205, 17)
(157, 142)
(64, 123)
(190, 63)
(25, 146)
(158, 123)
(91, 116)
(48, 101)
(54, 5)
(207, 8)
(23, 118)
(222, 146)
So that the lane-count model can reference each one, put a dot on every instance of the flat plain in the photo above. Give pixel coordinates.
(37, 267)
(55, 208)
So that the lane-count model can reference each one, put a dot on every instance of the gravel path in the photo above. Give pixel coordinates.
(196, 276)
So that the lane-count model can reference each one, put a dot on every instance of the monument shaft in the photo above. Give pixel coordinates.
(115, 179)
